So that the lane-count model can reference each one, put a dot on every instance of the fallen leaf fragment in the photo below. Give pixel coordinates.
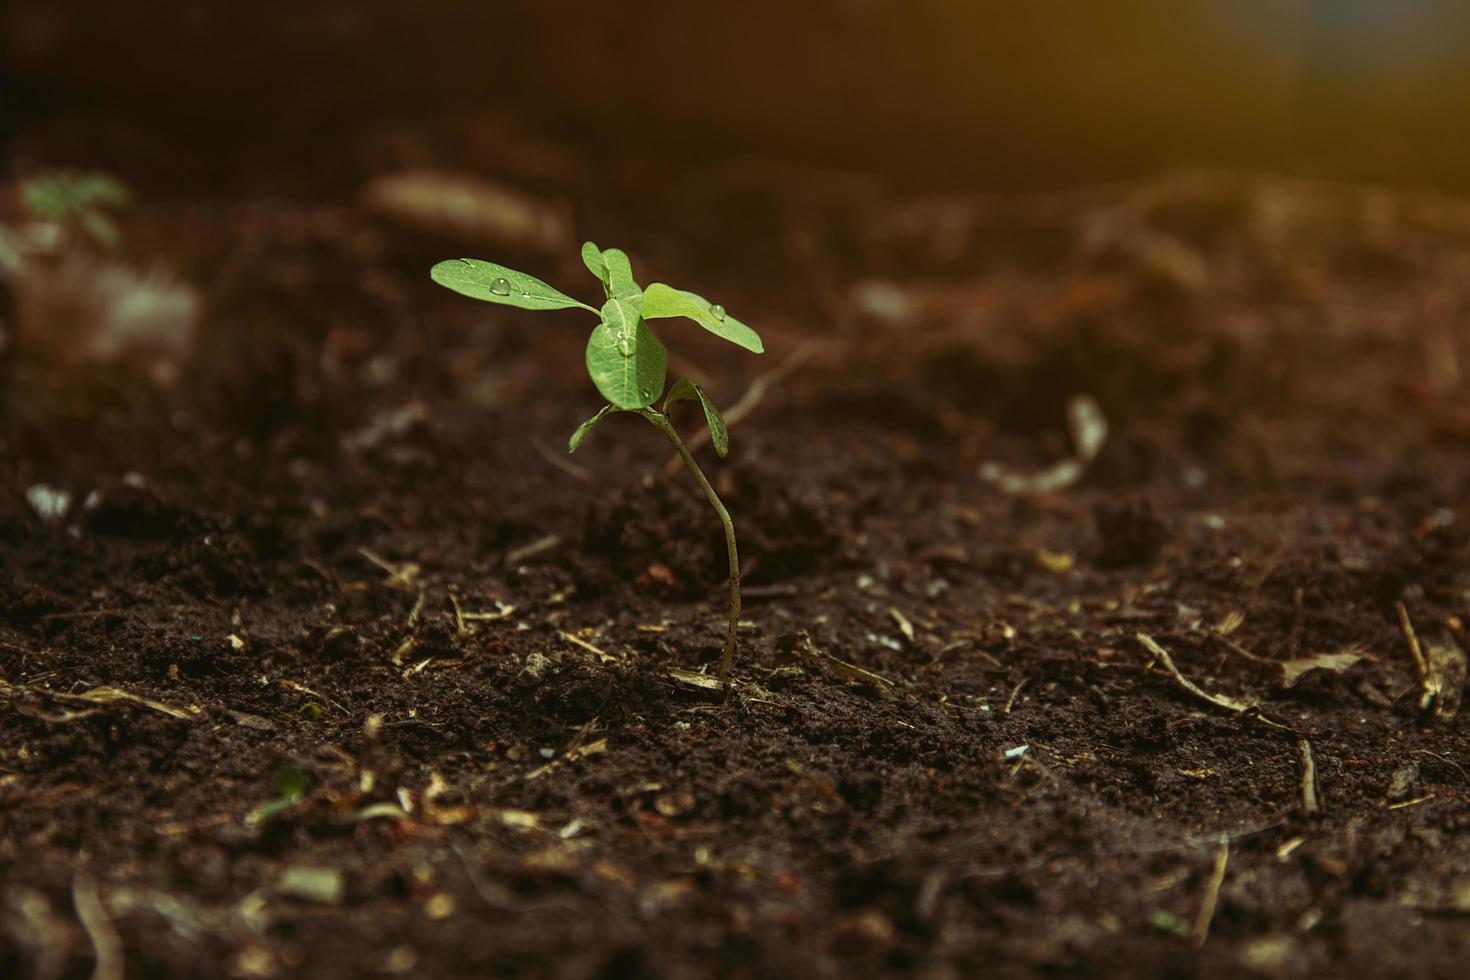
(689, 678)
(471, 206)
(113, 695)
(1336, 663)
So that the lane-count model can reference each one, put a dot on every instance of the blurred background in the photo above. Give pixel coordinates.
(1109, 181)
(954, 92)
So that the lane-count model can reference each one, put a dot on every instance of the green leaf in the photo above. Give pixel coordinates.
(660, 300)
(586, 427)
(620, 274)
(291, 782)
(719, 434)
(597, 265)
(624, 315)
(497, 284)
(624, 359)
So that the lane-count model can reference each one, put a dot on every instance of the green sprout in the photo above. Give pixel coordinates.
(74, 199)
(291, 785)
(627, 362)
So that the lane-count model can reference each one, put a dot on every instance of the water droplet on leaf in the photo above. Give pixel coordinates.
(501, 286)
(625, 347)
(717, 311)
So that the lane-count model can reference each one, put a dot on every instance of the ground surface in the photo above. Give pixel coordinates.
(345, 558)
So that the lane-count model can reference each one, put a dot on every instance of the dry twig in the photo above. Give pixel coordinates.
(98, 697)
(92, 914)
(533, 549)
(1015, 693)
(1416, 651)
(577, 641)
(1233, 705)
(400, 576)
(1230, 704)
(1310, 807)
(801, 646)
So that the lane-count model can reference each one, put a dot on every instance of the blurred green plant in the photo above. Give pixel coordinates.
(627, 362)
(291, 784)
(77, 200)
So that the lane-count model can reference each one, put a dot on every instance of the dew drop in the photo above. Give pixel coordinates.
(717, 311)
(501, 286)
(625, 347)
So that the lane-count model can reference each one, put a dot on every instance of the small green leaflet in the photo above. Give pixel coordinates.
(495, 283)
(597, 265)
(619, 274)
(630, 381)
(586, 427)
(291, 783)
(686, 390)
(660, 300)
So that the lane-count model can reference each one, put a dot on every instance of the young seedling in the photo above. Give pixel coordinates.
(627, 362)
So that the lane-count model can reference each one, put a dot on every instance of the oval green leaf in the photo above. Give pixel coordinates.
(624, 359)
(660, 300)
(620, 274)
(477, 279)
(597, 265)
(719, 433)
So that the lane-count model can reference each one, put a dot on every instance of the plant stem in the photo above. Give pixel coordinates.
(662, 423)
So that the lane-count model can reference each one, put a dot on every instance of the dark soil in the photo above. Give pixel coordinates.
(345, 547)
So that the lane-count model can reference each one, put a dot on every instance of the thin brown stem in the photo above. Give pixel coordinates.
(662, 423)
